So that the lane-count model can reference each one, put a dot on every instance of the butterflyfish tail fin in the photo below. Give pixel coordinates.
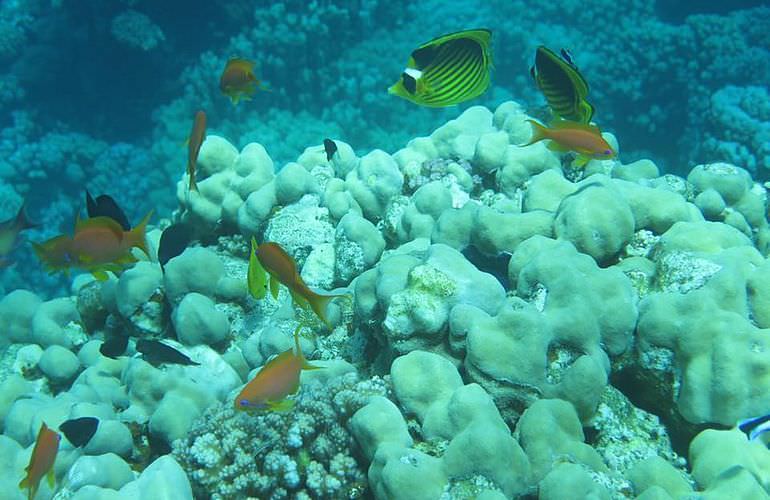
(137, 235)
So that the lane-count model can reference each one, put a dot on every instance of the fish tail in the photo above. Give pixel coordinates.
(539, 132)
(193, 184)
(305, 364)
(137, 236)
(319, 303)
(22, 219)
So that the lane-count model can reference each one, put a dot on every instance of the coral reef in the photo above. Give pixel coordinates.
(516, 328)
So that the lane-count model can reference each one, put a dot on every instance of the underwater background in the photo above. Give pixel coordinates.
(509, 326)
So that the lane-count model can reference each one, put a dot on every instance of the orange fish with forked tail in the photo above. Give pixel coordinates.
(282, 269)
(42, 460)
(238, 81)
(98, 245)
(584, 139)
(277, 379)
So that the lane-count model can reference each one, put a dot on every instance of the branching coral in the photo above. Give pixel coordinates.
(307, 453)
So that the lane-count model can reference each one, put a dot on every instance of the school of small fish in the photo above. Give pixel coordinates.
(445, 71)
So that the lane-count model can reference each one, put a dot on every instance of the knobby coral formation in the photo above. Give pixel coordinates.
(512, 322)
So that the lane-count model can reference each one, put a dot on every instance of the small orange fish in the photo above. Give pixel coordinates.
(197, 136)
(99, 245)
(282, 268)
(277, 379)
(584, 139)
(9, 233)
(42, 460)
(238, 80)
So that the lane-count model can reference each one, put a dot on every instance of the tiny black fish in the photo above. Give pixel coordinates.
(155, 353)
(330, 147)
(173, 241)
(158, 445)
(79, 431)
(105, 206)
(115, 346)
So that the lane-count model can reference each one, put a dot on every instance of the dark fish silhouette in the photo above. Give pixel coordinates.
(105, 206)
(79, 431)
(330, 147)
(9, 232)
(173, 241)
(156, 353)
(115, 346)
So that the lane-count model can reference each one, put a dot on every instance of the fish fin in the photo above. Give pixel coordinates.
(256, 276)
(22, 219)
(305, 364)
(539, 132)
(480, 35)
(274, 286)
(569, 124)
(24, 483)
(319, 302)
(137, 236)
(580, 161)
(51, 478)
(100, 275)
(586, 111)
(555, 146)
(280, 406)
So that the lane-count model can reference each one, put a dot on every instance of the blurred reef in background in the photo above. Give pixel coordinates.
(100, 94)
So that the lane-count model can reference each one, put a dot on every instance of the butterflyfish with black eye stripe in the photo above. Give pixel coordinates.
(562, 85)
(447, 70)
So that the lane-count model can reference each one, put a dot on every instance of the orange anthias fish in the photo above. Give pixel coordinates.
(277, 379)
(584, 139)
(42, 460)
(238, 80)
(99, 245)
(9, 233)
(282, 269)
(197, 136)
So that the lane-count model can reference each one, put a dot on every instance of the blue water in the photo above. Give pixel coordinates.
(100, 95)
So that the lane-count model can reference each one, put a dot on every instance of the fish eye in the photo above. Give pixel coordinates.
(243, 402)
(608, 151)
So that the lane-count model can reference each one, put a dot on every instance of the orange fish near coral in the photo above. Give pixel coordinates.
(584, 139)
(238, 80)
(282, 269)
(9, 233)
(99, 245)
(42, 460)
(197, 136)
(277, 379)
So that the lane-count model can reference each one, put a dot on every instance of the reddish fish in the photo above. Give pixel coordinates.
(9, 233)
(42, 460)
(197, 136)
(99, 245)
(584, 139)
(238, 80)
(277, 379)
(282, 269)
